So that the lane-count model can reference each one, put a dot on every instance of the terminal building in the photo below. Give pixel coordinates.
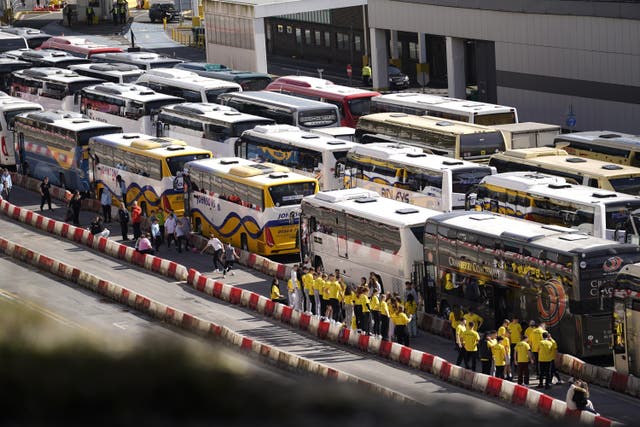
(574, 63)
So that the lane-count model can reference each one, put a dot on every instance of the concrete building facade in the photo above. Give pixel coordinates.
(567, 62)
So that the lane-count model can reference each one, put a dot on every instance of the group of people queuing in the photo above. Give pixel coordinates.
(365, 307)
(510, 352)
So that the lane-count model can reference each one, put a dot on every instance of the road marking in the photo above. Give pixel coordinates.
(120, 325)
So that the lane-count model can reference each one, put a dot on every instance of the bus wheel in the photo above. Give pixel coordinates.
(63, 181)
(244, 245)
(317, 263)
(198, 225)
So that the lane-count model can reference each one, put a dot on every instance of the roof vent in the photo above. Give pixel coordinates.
(444, 123)
(452, 162)
(365, 200)
(612, 167)
(604, 195)
(278, 175)
(610, 136)
(310, 136)
(414, 155)
(228, 162)
(406, 211)
(174, 148)
(576, 160)
(559, 186)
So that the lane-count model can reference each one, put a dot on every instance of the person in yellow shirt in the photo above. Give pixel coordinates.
(530, 328)
(460, 329)
(523, 358)
(499, 354)
(545, 356)
(554, 370)
(534, 342)
(502, 330)
(515, 335)
(384, 317)
(307, 287)
(275, 293)
(324, 293)
(333, 292)
(401, 320)
(470, 340)
(374, 306)
(506, 343)
(366, 311)
(411, 309)
(471, 316)
(318, 283)
(455, 316)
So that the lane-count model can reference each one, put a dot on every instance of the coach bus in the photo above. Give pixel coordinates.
(351, 102)
(78, 46)
(357, 231)
(114, 73)
(406, 173)
(284, 109)
(577, 170)
(461, 110)
(187, 85)
(248, 80)
(613, 147)
(321, 157)
(446, 138)
(54, 144)
(549, 199)
(53, 88)
(133, 107)
(151, 169)
(8, 66)
(46, 58)
(625, 340)
(504, 267)
(254, 206)
(10, 107)
(211, 126)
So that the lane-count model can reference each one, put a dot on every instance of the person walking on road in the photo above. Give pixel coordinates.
(123, 219)
(366, 75)
(230, 257)
(7, 184)
(45, 192)
(217, 247)
(136, 220)
(74, 205)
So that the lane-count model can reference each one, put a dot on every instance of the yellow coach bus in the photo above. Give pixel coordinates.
(148, 169)
(444, 137)
(254, 206)
(614, 147)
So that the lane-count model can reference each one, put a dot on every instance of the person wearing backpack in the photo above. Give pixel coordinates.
(123, 219)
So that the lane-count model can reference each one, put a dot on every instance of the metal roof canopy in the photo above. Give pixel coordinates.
(267, 8)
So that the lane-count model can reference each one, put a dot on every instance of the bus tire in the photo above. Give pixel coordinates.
(244, 244)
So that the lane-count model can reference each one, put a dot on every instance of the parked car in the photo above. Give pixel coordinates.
(159, 11)
(397, 79)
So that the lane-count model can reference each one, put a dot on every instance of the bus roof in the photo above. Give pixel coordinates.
(550, 157)
(75, 122)
(8, 65)
(293, 135)
(137, 58)
(336, 132)
(369, 204)
(109, 69)
(51, 56)
(130, 91)
(10, 103)
(549, 237)
(54, 74)
(247, 170)
(555, 187)
(607, 138)
(187, 79)
(450, 127)
(212, 112)
(154, 146)
(278, 98)
(410, 156)
(320, 85)
(416, 99)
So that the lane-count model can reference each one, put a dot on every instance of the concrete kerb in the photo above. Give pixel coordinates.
(333, 332)
(171, 315)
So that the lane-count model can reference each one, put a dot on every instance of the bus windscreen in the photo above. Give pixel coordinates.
(291, 194)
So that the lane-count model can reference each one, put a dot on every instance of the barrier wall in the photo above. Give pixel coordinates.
(184, 320)
(329, 330)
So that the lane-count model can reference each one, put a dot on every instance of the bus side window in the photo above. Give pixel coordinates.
(593, 182)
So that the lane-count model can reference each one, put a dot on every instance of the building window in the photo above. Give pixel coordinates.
(327, 39)
(342, 41)
(289, 29)
(307, 37)
(318, 38)
(298, 36)
(357, 43)
(413, 51)
(280, 28)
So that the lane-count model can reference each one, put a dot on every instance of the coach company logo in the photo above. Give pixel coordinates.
(552, 302)
(612, 264)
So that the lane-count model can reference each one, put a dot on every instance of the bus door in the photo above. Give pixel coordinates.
(626, 335)
(619, 344)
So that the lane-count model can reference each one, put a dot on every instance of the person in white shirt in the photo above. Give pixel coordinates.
(217, 247)
(578, 397)
(6, 183)
(156, 237)
(105, 202)
(170, 225)
(179, 234)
